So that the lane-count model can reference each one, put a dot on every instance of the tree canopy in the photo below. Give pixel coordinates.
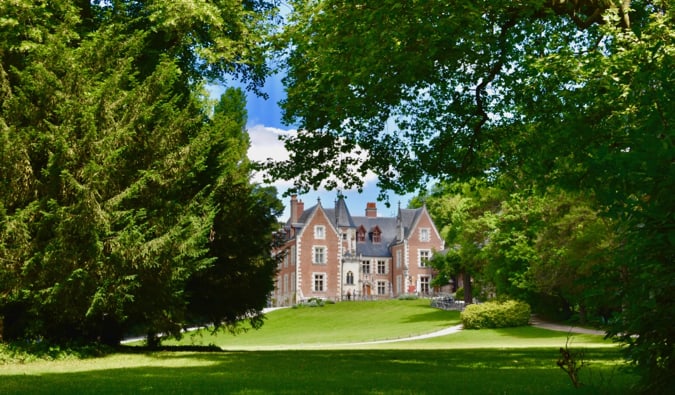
(118, 176)
(573, 94)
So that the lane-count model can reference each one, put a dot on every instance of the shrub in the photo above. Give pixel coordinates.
(408, 297)
(459, 294)
(496, 315)
(311, 302)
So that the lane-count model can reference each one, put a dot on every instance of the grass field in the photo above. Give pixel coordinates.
(508, 361)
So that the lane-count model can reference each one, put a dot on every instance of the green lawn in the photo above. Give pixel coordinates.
(334, 324)
(508, 361)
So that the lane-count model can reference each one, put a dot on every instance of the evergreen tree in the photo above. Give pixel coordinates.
(111, 162)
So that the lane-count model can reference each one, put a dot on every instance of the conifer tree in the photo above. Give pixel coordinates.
(110, 160)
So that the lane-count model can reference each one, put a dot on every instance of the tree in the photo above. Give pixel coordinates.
(465, 213)
(569, 93)
(241, 276)
(112, 164)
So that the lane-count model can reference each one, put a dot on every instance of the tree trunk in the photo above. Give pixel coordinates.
(468, 292)
(583, 316)
(152, 340)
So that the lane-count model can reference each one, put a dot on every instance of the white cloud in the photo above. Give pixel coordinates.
(266, 145)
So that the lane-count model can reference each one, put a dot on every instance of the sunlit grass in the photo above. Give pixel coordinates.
(322, 359)
(462, 371)
(335, 324)
(341, 325)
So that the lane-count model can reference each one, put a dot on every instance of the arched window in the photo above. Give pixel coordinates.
(350, 278)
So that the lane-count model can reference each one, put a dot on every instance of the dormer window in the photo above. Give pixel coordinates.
(376, 235)
(361, 234)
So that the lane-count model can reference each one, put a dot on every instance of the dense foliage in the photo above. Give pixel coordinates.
(552, 249)
(121, 186)
(506, 314)
(572, 94)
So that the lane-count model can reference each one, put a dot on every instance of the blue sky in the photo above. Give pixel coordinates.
(264, 128)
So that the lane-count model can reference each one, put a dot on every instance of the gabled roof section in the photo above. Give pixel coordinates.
(303, 218)
(409, 218)
(307, 214)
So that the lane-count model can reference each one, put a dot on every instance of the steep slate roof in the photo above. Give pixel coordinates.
(340, 216)
(307, 213)
(408, 219)
(387, 226)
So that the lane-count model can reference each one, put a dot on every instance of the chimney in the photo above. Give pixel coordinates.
(371, 210)
(294, 207)
(301, 209)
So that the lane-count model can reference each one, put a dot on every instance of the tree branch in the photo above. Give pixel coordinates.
(480, 89)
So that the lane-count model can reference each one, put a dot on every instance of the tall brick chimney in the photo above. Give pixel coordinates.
(297, 208)
(294, 206)
(371, 210)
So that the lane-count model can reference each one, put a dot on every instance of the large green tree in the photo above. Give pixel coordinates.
(576, 93)
(112, 163)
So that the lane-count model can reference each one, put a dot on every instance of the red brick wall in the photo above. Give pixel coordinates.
(331, 268)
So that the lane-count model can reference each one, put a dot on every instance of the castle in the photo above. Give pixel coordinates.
(332, 255)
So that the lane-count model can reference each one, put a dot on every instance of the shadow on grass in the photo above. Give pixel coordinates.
(531, 332)
(530, 371)
(528, 332)
(187, 348)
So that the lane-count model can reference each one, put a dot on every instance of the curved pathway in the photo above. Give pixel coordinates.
(446, 331)
(536, 322)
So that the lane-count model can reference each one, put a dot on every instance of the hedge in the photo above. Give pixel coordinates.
(496, 315)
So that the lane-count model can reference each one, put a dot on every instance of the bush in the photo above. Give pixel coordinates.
(408, 297)
(459, 294)
(496, 315)
(311, 302)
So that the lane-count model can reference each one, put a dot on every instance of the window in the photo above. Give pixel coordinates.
(319, 282)
(398, 259)
(320, 255)
(381, 267)
(424, 257)
(350, 278)
(399, 284)
(424, 234)
(319, 232)
(381, 287)
(361, 234)
(365, 267)
(376, 235)
(424, 284)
